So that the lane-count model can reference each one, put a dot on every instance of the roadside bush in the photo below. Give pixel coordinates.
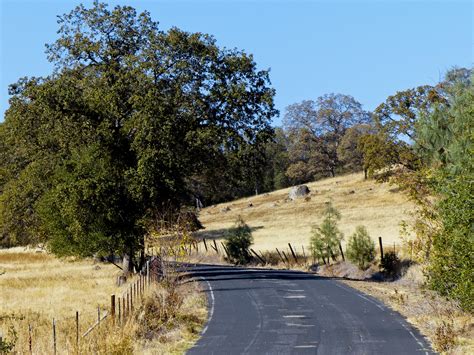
(390, 265)
(238, 242)
(361, 248)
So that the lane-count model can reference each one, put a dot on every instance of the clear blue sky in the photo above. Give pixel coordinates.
(368, 49)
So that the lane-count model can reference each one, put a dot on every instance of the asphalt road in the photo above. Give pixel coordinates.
(256, 311)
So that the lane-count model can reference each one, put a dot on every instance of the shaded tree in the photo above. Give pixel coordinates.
(128, 115)
(349, 151)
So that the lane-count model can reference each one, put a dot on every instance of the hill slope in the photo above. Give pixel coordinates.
(276, 221)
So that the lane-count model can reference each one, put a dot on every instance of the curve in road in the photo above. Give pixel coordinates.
(261, 311)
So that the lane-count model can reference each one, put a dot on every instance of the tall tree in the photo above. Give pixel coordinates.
(128, 115)
(446, 143)
(324, 122)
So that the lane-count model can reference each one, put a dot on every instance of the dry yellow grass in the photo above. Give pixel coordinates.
(277, 221)
(37, 287)
(39, 282)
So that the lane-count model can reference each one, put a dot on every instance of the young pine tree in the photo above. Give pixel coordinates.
(326, 237)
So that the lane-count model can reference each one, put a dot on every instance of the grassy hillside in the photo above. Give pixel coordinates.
(276, 220)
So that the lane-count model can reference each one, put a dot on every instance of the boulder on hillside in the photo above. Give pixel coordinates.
(298, 191)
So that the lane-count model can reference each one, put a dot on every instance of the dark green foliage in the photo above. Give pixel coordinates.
(325, 239)
(349, 151)
(361, 248)
(316, 129)
(390, 265)
(447, 143)
(129, 125)
(238, 242)
(7, 345)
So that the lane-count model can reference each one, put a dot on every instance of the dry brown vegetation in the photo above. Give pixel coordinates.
(37, 287)
(275, 220)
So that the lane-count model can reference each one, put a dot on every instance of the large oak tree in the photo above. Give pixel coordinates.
(109, 140)
(317, 128)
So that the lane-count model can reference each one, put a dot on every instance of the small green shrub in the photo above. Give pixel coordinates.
(6, 346)
(361, 248)
(238, 242)
(390, 265)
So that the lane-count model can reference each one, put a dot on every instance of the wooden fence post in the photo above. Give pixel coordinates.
(119, 311)
(30, 340)
(281, 257)
(98, 316)
(381, 248)
(215, 247)
(112, 308)
(258, 256)
(124, 306)
(287, 260)
(140, 284)
(205, 244)
(292, 252)
(77, 331)
(342, 253)
(225, 250)
(148, 272)
(131, 299)
(54, 336)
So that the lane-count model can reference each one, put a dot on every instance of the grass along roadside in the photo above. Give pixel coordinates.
(37, 287)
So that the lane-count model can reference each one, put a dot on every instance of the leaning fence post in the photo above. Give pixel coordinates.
(258, 256)
(215, 246)
(54, 336)
(112, 308)
(292, 252)
(342, 253)
(281, 257)
(381, 248)
(225, 249)
(205, 244)
(77, 331)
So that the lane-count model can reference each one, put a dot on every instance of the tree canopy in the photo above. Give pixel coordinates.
(117, 132)
(317, 128)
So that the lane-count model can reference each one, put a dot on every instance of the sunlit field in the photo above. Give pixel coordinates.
(276, 220)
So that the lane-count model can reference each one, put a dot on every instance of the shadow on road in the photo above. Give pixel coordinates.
(224, 273)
